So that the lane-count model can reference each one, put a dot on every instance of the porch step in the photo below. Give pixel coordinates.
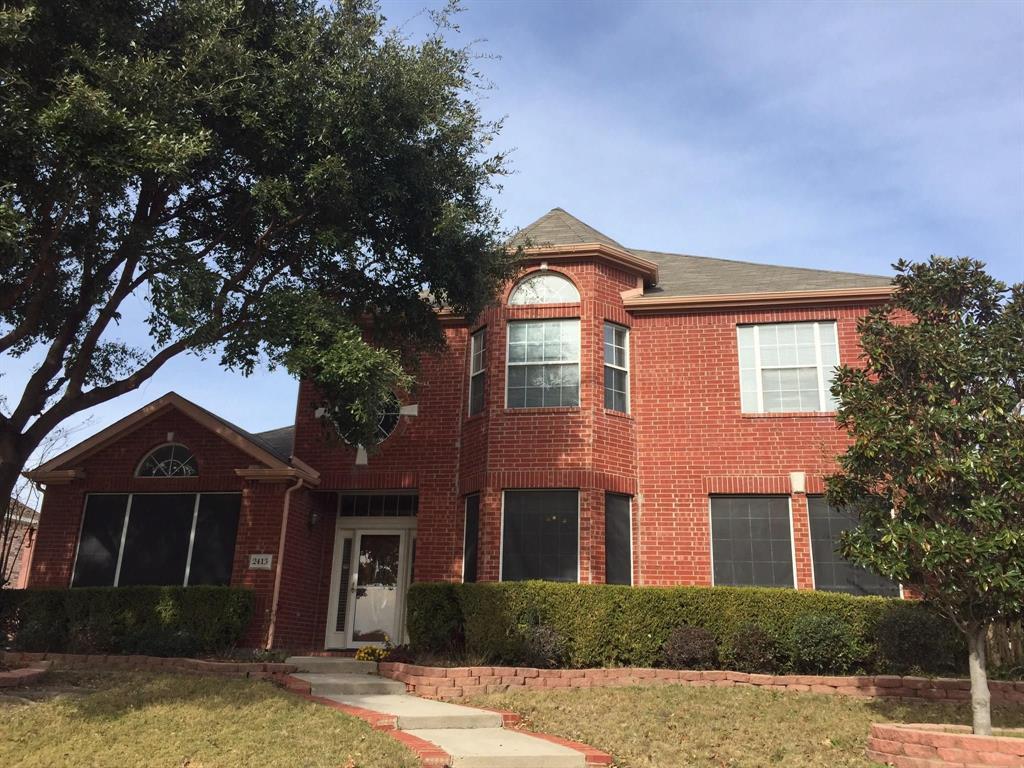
(413, 712)
(328, 664)
(336, 684)
(500, 748)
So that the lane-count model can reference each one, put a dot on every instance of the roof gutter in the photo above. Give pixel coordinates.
(831, 296)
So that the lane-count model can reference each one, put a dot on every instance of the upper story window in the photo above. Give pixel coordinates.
(543, 363)
(544, 288)
(787, 367)
(171, 460)
(477, 370)
(616, 367)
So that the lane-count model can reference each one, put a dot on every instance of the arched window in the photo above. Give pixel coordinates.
(544, 288)
(171, 460)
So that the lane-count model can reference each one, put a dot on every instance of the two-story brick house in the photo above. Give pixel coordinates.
(619, 415)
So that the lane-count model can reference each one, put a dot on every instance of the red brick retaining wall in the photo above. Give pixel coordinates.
(454, 682)
(267, 670)
(942, 746)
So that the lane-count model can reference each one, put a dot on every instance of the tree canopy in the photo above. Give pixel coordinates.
(265, 179)
(935, 470)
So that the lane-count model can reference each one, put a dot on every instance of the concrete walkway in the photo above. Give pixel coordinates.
(472, 738)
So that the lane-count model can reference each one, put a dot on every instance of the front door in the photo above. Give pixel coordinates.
(371, 573)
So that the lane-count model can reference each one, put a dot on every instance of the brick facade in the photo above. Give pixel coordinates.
(684, 440)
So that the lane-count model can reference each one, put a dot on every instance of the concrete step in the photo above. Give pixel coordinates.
(499, 748)
(327, 664)
(334, 684)
(413, 712)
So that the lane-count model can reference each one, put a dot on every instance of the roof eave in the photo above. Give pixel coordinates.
(600, 251)
(830, 296)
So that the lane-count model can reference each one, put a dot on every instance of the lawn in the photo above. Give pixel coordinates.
(672, 726)
(182, 721)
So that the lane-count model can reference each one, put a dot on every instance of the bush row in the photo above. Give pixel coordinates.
(747, 629)
(153, 621)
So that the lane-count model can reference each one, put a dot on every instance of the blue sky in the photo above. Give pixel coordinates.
(831, 135)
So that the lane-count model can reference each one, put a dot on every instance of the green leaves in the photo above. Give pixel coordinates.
(936, 466)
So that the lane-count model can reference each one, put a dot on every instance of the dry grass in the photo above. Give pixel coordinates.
(673, 726)
(185, 721)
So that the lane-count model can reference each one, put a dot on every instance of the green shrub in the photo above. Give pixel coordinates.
(912, 641)
(690, 648)
(821, 645)
(154, 621)
(751, 649)
(434, 619)
(611, 626)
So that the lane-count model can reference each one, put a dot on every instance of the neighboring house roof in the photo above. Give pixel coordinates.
(23, 514)
(685, 275)
(267, 448)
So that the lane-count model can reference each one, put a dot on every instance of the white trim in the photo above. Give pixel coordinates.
(577, 362)
(192, 539)
(542, 273)
(333, 638)
(606, 364)
(792, 541)
(124, 534)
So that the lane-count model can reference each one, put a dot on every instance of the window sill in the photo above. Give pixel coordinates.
(476, 416)
(791, 415)
(617, 414)
(551, 409)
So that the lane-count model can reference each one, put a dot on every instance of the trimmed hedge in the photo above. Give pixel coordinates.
(153, 621)
(612, 626)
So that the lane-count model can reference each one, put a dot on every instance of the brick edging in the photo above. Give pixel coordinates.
(941, 746)
(256, 669)
(456, 682)
(12, 678)
(592, 756)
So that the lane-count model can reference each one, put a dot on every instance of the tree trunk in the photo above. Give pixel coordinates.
(981, 704)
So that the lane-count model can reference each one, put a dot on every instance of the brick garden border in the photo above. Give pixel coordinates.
(253, 669)
(456, 682)
(12, 678)
(942, 746)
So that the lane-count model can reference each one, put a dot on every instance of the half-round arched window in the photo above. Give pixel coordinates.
(544, 288)
(171, 460)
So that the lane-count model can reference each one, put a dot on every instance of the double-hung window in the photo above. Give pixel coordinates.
(616, 367)
(477, 366)
(787, 367)
(543, 363)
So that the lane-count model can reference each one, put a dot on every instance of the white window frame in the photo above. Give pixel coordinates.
(823, 385)
(625, 330)
(540, 275)
(474, 372)
(579, 542)
(124, 530)
(171, 443)
(579, 353)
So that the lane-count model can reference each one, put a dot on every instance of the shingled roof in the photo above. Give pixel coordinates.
(685, 275)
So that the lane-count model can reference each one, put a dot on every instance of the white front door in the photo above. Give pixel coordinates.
(371, 571)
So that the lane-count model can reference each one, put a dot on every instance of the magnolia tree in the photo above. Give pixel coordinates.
(254, 181)
(936, 465)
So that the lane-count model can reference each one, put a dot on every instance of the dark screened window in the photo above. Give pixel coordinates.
(379, 505)
(618, 561)
(469, 541)
(751, 542)
(540, 536)
(100, 541)
(156, 540)
(166, 536)
(832, 573)
(616, 367)
(477, 370)
(213, 548)
(169, 461)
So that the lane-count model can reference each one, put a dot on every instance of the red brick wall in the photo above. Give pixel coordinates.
(24, 537)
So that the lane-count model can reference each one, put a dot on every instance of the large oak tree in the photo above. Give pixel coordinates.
(261, 179)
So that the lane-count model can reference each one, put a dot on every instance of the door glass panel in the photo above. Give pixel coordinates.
(343, 584)
(375, 608)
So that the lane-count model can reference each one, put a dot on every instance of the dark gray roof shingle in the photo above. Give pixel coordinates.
(684, 275)
(279, 442)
